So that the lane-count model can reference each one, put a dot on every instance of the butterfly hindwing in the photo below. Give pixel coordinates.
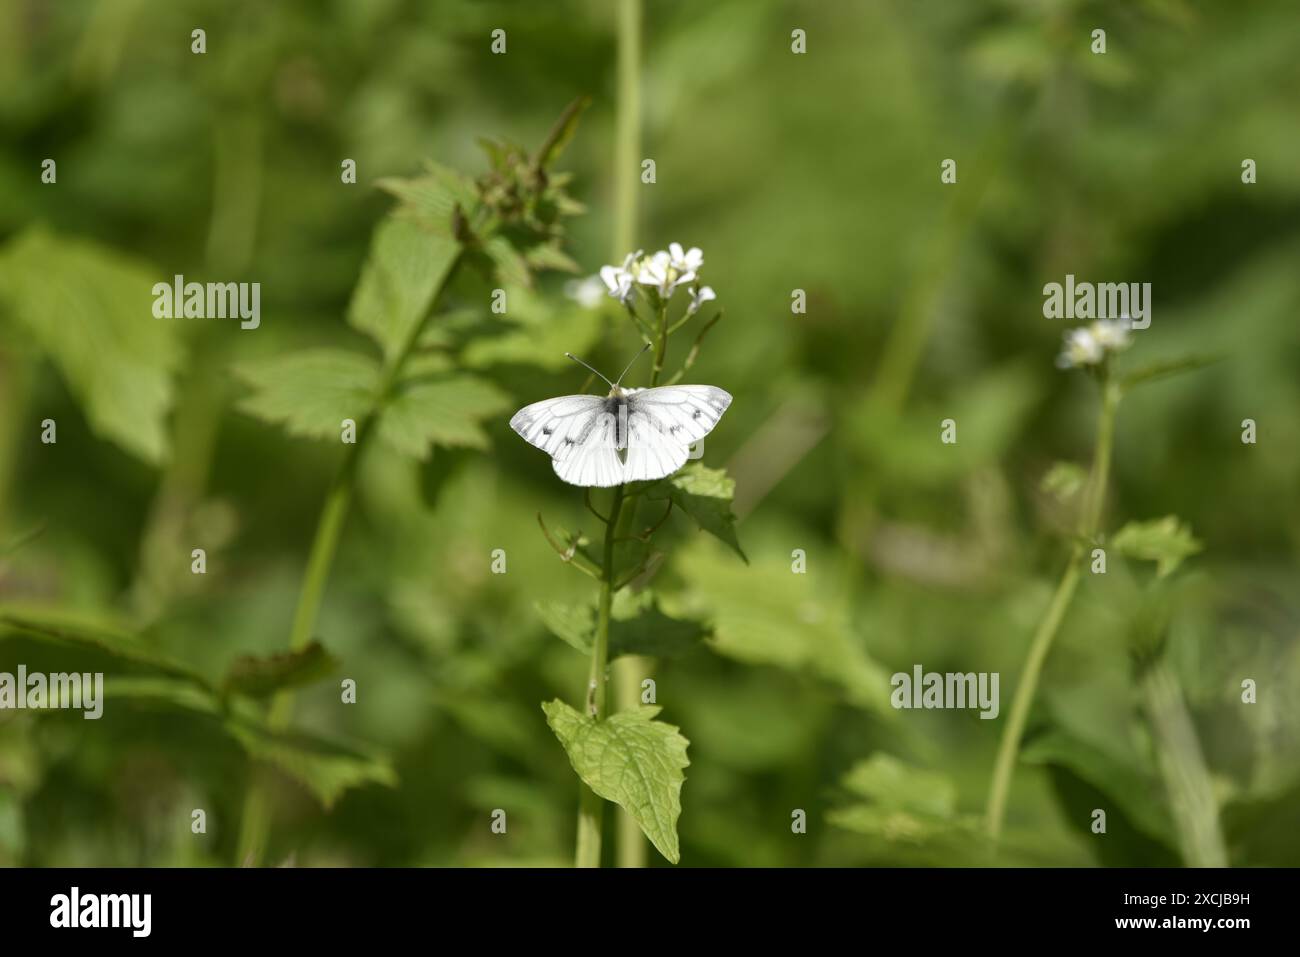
(592, 459)
(652, 452)
(663, 423)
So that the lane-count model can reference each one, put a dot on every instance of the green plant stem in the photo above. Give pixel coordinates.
(1182, 767)
(182, 484)
(591, 809)
(631, 845)
(255, 824)
(661, 345)
(627, 130)
(256, 817)
(1013, 732)
(1009, 745)
(1110, 396)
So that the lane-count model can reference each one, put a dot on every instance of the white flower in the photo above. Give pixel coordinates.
(586, 292)
(1112, 334)
(699, 296)
(1087, 346)
(654, 271)
(619, 279)
(685, 262)
(1081, 349)
(659, 271)
(665, 270)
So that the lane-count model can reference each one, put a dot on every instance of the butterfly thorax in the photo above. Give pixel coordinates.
(616, 406)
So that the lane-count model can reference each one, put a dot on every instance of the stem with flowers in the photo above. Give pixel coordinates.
(1009, 746)
(1092, 349)
(646, 286)
(1165, 541)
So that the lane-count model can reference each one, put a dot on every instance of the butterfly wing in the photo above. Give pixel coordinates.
(591, 460)
(651, 452)
(578, 434)
(662, 424)
(556, 425)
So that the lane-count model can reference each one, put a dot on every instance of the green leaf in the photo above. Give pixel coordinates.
(445, 412)
(558, 138)
(505, 265)
(311, 392)
(764, 614)
(407, 265)
(169, 692)
(91, 311)
(1136, 791)
(637, 627)
(260, 677)
(433, 197)
(538, 332)
(61, 627)
(573, 624)
(908, 809)
(896, 825)
(551, 256)
(1064, 480)
(325, 768)
(629, 759)
(1165, 541)
(887, 781)
(705, 495)
(1165, 368)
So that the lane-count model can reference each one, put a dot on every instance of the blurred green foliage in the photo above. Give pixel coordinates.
(816, 172)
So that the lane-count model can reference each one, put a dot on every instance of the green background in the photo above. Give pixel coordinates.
(817, 172)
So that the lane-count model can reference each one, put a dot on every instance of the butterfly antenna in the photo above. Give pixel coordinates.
(581, 363)
(631, 364)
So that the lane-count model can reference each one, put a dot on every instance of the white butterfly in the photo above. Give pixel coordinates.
(653, 429)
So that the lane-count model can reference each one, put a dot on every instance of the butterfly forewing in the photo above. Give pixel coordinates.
(556, 425)
(686, 412)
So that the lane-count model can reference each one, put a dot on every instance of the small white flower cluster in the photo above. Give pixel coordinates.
(664, 272)
(1090, 345)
